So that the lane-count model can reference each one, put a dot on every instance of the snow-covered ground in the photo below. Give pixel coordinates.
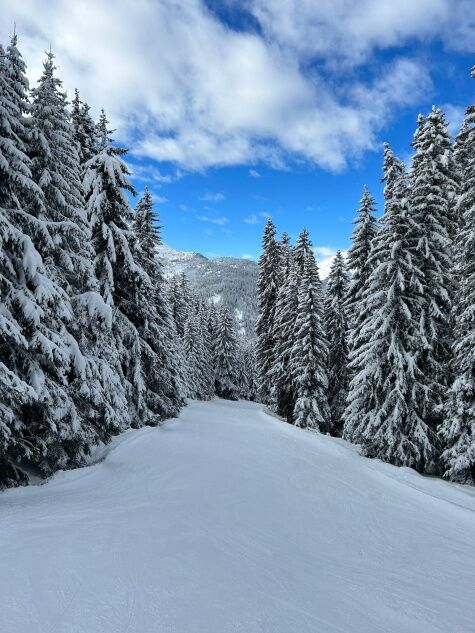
(230, 521)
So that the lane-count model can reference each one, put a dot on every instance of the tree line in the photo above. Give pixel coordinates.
(386, 357)
(93, 339)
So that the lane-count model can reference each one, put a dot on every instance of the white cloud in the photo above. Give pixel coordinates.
(352, 31)
(324, 251)
(265, 215)
(254, 173)
(182, 87)
(324, 265)
(247, 256)
(251, 219)
(220, 220)
(159, 199)
(212, 197)
(149, 174)
(455, 116)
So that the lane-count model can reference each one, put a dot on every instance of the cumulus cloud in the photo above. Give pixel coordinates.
(183, 87)
(339, 30)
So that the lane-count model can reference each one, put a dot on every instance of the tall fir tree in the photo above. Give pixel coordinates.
(336, 330)
(267, 288)
(226, 355)
(433, 223)
(457, 431)
(309, 353)
(387, 402)
(57, 170)
(21, 270)
(366, 228)
(162, 360)
(119, 275)
(283, 390)
(84, 128)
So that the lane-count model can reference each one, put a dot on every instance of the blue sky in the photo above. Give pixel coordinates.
(235, 111)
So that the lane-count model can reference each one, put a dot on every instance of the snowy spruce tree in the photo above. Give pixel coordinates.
(84, 129)
(366, 227)
(199, 381)
(92, 408)
(226, 347)
(161, 357)
(21, 271)
(309, 353)
(336, 330)
(432, 213)
(267, 288)
(457, 431)
(120, 277)
(387, 402)
(179, 296)
(247, 370)
(283, 391)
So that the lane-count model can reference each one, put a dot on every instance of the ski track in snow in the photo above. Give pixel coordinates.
(228, 520)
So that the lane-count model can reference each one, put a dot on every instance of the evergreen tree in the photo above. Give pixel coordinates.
(433, 223)
(179, 298)
(366, 227)
(336, 329)
(309, 353)
(267, 288)
(78, 422)
(247, 371)
(199, 381)
(226, 353)
(84, 128)
(302, 248)
(457, 431)
(387, 401)
(161, 360)
(119, 275)
(283, 391)
(21, 271)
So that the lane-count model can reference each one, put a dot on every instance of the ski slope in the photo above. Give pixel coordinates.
(230, 521)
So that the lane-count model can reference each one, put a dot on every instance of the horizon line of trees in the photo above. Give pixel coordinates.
(386, 357)
(93, 339)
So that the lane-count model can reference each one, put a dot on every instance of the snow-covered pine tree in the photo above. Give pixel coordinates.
(162, 359)
(282, 391)
(433, 222)
(247, 371)
(302, 247)
(387, 402)
(89, 413)
(267, 288)
(21, 271)
(457, 431)
(179, 296)
(309, 352)
(366, 227)
(119, 275)
(84, 128)
(225, 376)
(336, 330)
(199, 381)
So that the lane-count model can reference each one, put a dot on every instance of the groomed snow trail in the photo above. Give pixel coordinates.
(230, 521)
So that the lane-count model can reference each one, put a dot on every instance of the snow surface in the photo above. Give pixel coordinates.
(228, 520)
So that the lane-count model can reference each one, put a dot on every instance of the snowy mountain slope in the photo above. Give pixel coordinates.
(227, 279)
(230, 521)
